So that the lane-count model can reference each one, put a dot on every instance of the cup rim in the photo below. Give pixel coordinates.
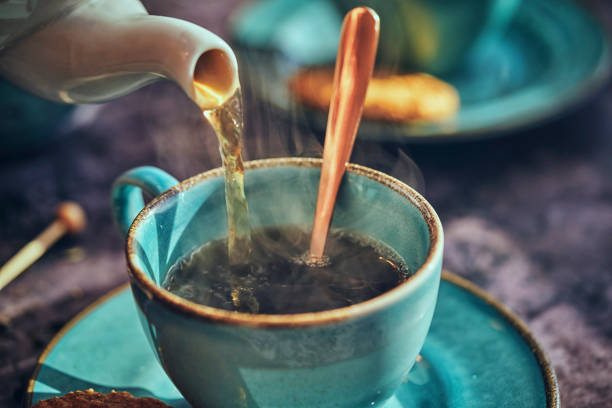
(211, 314)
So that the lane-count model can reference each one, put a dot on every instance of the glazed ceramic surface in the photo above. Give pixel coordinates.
(552, 55)
(348, 357)
(476, 355)
(432, 35)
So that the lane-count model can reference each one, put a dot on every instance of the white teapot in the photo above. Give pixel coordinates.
(87, 51)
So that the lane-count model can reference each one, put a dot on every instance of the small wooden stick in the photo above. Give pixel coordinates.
(70, 218)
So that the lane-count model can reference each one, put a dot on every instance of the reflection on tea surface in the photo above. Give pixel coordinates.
(276, 280)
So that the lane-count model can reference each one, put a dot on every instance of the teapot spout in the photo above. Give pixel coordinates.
(93, 56)
(200, 62)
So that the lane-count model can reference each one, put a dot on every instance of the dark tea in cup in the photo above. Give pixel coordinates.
(280, 279)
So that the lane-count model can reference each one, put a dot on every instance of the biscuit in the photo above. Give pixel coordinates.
(92, 399)
(390, 97)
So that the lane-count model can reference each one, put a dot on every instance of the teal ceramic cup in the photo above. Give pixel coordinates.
(434, 35)
(350, 357)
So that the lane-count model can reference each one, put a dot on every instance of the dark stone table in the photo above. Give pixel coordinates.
(528, 216)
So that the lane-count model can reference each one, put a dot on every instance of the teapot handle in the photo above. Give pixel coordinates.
(126, 196)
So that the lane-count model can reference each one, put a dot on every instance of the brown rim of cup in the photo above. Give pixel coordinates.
(211, 314)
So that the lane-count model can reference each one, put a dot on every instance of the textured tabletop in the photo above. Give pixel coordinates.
(528, 216)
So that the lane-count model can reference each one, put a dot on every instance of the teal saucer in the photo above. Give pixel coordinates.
(477, 354)
(553, 55)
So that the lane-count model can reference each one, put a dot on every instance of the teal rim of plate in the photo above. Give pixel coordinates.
(557, 48)
(548, 375)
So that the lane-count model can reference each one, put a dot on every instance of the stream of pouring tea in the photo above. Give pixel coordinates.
(227, 123)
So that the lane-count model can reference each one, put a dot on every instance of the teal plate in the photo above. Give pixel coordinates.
(477, 354)
(553, 55)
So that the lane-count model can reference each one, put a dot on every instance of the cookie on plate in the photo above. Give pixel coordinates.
(390, 97)
(92, 399)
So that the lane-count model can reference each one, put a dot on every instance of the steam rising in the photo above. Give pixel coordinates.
(186, 145)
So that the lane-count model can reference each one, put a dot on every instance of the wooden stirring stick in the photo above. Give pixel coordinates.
(70, 218)
(354, 65)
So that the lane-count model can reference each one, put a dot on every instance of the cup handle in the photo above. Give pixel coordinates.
(126, 196)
